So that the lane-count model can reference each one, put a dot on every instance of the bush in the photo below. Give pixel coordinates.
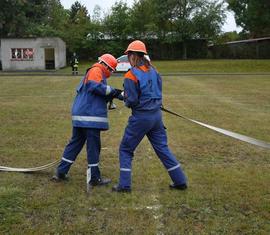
(157, 50)
(242, 50)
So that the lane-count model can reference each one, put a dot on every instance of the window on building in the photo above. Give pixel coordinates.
(22, 53)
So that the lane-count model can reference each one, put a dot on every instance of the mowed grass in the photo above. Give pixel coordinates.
(213, 66)
(198, 66)
(229, 180)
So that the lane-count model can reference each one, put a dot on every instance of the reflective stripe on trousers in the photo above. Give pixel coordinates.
(74, 147)
(153, 128)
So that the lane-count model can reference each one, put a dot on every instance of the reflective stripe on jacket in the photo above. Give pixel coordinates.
(90, 104)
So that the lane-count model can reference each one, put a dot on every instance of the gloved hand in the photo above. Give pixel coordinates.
(111, 105)
(116, 93)
(121, 96)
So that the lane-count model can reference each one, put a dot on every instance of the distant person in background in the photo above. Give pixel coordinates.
(74, 62)
(143, 94)
(89, 117)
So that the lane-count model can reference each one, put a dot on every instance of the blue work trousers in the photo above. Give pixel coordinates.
(151, 125)
(74, 147)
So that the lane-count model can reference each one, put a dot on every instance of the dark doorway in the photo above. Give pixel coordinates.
(49, 58)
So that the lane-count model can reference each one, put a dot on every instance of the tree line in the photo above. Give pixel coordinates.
(167, 21)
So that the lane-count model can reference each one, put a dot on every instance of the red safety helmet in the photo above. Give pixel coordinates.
(138, 46)
(109, 60)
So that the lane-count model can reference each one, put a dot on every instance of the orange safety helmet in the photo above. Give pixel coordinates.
(138, 46)
(109, 60)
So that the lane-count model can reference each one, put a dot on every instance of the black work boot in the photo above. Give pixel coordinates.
(58, 177)
(100, 182)
(118, 189)
(178, 186)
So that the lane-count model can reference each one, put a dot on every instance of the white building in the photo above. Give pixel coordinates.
(32, 53)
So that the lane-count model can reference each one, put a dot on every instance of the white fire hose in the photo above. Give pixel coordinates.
(234, 135)
(27, 170)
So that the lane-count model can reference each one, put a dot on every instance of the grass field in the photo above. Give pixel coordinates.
(229, 180)
(198, 66)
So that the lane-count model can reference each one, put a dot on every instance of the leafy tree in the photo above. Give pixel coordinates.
(228, 37)
(208, 19)
(21, 18)
(78, 25)
(164, 17)
(97, 14)
(15, 17)
(143, 23)
(57, 17)
(78, 13)
(178, 20)
(117, 23)
(252, 15)
(51, 22)
(166, 20)
(96, 29)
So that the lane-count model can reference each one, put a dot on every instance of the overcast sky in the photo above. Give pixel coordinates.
(106, 5)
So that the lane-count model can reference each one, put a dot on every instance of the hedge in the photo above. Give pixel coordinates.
(241, 50)
(196, 49)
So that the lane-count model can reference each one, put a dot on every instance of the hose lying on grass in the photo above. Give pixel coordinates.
(234, 135)
(27, 170)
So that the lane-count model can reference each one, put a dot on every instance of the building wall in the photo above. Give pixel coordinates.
(60, 54)
(38, 45)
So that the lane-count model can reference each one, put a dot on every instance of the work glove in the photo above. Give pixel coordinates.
(111, 105)
(119, 94)
(116, 93)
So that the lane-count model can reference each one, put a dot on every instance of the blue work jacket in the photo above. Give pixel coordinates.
(143, 89)
(89, 108)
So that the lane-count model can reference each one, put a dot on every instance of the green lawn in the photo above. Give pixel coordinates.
(214, 66)
(199, 66)
(229, 180)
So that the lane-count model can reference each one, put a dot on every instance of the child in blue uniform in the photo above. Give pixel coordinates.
(89, 117)
(143, 94)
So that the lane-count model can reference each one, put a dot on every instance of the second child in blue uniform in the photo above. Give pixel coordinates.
(143, 94)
